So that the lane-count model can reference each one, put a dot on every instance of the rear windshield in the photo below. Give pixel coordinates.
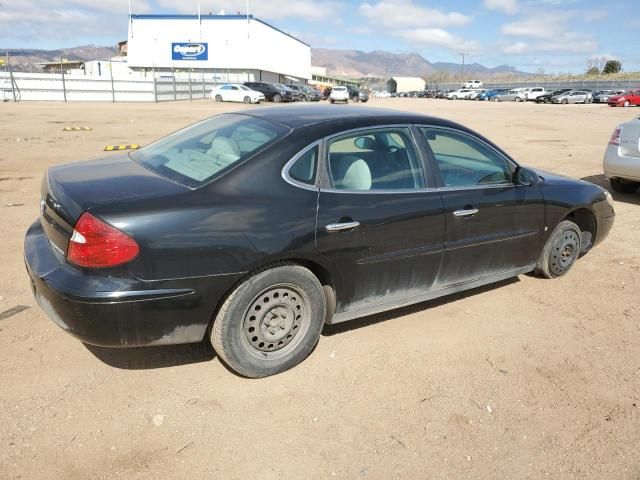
(197, 154)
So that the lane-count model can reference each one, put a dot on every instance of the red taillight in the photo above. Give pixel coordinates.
(615, 137)
(95, 244)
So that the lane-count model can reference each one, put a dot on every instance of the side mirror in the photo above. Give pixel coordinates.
(525, 176)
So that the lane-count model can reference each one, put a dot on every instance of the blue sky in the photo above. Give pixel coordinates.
(552, 35)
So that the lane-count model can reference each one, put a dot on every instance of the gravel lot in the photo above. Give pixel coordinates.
(528, 378)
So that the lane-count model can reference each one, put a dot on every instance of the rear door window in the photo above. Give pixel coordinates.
(380, 159)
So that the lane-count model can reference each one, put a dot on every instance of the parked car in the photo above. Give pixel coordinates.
(271, 91)
(476, 94)
(339, 94)
(297, 95)
(459, 94)
(472, 84)
(307, 94)
(603, 96)
(184, 239)
(363, 95)
(235, 92)
(490, 94)
(354, 94)
(572, 96)
(383, 94)
(510, 96)
(626, 99)
(622, 157)
(546, 98)
(534, 92)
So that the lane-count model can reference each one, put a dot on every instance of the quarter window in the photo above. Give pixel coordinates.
(466, 162)
(381, 159)
(305, 167)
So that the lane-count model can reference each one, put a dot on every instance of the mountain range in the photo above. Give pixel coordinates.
(381, 64)
(342, 63)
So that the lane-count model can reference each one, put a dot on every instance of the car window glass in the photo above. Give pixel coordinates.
(466, 162)
(197, 154)
(305, 167)
(381, 159)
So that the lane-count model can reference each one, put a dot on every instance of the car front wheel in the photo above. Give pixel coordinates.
(626, 103)
(561, 250)
(247, 99)
(270, 322)
(277, 98)
(624, 186)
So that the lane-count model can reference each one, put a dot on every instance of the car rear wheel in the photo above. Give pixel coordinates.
(565, 101)
(277, 98)
(624, 186)
(218, 98)
(518, 99)
(270, 322)
(561, 250)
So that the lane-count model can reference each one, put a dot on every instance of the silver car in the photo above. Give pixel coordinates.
(573, 96)
(511, 96)
(603, 95)
(622, 157)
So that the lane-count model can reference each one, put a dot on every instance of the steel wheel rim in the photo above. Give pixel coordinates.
(275, 322)
(564, 252)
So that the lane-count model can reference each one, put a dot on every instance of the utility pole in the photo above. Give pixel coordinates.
(463, 54)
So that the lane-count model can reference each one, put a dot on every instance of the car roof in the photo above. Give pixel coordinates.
(297, 116)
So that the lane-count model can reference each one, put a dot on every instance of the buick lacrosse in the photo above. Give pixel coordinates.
(255, 229)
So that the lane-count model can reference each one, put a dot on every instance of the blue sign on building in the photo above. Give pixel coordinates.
(189, 51)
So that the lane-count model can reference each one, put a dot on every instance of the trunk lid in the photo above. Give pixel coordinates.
(630, 138)
(71, 189)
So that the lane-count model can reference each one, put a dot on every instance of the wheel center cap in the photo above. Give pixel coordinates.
(277, 323)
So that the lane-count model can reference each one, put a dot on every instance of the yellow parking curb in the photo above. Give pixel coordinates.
(76, 129)
(111, 148)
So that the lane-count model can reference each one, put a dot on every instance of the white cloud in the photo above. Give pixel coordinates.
(50, 19)
(439, 38)
(515, 48)
(396, 14)
(542, 25)
(268, 10)
(506, 6)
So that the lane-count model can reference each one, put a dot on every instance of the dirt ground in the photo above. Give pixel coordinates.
(528, 378)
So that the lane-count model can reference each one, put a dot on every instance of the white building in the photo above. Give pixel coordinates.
(231, 48)
(405, 84)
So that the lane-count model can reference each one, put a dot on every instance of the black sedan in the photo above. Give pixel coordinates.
(258, 228)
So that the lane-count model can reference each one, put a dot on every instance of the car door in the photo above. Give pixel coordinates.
(380, 220)
(493, 227)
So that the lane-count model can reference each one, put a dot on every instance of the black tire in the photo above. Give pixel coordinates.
(242, 334)
(518, 99)
(218, 98)
(561, 250)
(277, 98)
(247, 99)
(565, 101)
(624, 186)
(626, 103)
(330, 100)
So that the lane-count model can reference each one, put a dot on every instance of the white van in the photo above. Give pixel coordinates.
(472, 84)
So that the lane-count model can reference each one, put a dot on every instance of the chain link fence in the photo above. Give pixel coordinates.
(549, 84)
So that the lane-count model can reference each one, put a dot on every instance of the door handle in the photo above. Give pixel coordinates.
(341, 227)
(465, 213)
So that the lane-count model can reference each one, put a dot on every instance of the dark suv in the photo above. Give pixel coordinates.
(354, 94)
(306, 93)
(272, 92)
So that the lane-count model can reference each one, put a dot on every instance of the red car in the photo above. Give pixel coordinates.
(632, 97)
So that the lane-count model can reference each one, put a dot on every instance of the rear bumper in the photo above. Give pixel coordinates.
(617, 165)
(112, 311)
